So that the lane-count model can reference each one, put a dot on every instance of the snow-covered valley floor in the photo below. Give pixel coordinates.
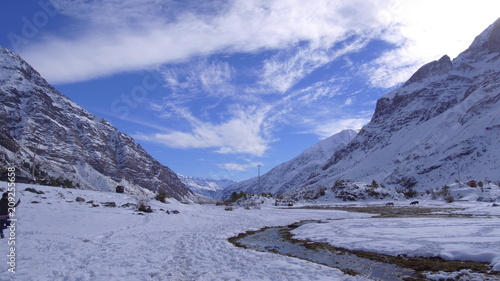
(61, 239)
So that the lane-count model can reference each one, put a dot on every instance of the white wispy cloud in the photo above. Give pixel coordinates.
(242, 133)
(202, 78)
(250, 129)
(285, 69)
(239, 167)
(116, 38)
(112, 36)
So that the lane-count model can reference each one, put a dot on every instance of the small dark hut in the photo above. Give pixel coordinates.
(120, 189)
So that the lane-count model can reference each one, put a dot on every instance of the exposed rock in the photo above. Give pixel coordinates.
(128, 205)
(436, 68)
(71, 144)
(146, 209)
(109, 204)
(32, 190)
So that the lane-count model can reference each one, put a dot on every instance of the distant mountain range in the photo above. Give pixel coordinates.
(441, 126)
(70, 146)
(206, 187)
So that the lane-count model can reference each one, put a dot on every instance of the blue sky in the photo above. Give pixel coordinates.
(216, 88)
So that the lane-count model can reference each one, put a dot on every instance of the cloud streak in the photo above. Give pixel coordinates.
(239, 167)
(281, 72)
(113, 36)
(203, 77)
(114, 39)
(241, 133)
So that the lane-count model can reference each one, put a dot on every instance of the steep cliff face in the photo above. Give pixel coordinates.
(442, 125)
(68, 141)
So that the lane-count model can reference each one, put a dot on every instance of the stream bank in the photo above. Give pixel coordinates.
(376, 266)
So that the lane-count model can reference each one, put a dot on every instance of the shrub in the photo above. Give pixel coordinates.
(446, 190)
(161, 195)
(142, 205)
(410, 193)
(235, 196)
(372, 192)
(449, 199)
(322, 191)
(339, 184)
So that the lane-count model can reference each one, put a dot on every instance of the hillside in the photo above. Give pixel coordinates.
(71, 147)
(294, 172)
(440, 127)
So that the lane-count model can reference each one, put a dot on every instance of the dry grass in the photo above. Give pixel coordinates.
(418, 264)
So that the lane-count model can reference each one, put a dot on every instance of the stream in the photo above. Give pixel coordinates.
(274, 240)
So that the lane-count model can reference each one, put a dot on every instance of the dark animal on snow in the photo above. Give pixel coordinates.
(414, 203)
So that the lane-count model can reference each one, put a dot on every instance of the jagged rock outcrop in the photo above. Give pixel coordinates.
(68, 141)
(436, 68)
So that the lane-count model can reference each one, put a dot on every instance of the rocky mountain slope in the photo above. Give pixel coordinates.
(441, 126)
(297, 171)
(71, 146)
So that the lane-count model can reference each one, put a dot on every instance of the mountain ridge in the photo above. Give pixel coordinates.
(439, 127)
(444, 91)
(67, 141)
(206, 186)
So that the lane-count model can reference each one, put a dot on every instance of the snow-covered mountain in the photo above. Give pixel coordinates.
(297, 171)
(204, 186)
(71, 146)
(441, 126)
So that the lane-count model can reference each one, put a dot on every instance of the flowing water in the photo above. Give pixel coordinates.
(274, 239)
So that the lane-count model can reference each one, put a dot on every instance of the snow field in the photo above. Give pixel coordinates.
(61, 239)
(472, 237)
